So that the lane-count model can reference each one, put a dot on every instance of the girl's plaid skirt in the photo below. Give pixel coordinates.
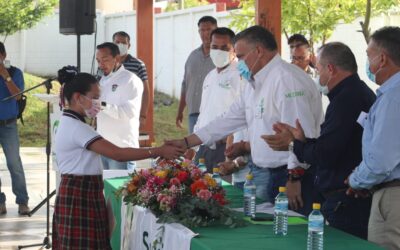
(80, 218)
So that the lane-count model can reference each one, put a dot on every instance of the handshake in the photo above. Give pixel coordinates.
(173, 149)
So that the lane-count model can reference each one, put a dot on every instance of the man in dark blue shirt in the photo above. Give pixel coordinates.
(337, 151)
(11, 82)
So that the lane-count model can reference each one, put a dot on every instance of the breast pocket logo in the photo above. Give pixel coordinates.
(225, 85)
(114, 87)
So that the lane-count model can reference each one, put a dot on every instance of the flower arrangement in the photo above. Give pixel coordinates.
(179, 193)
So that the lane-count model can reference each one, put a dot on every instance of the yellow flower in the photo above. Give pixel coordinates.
(210, 181)
(131, 187)
(162, 173)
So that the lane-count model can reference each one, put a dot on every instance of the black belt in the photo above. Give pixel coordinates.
(6, 122)
(393, 183)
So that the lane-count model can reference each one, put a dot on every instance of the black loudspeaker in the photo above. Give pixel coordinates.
(77, 17)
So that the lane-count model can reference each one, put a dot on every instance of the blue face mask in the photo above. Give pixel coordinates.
(370, 75)
(244, 71)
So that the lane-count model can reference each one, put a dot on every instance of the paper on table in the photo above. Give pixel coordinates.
(268, 208)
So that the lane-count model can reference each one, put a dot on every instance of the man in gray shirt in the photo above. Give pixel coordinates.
(197, 67)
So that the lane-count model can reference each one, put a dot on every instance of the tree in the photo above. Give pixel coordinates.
(184, 4)
(316, 19)
(16, 15)
(369, 8)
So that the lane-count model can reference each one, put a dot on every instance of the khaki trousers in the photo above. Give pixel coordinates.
(384, 221)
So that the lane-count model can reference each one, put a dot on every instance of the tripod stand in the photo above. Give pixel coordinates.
(46, 241)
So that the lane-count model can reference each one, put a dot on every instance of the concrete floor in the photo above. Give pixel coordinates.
(18, 230)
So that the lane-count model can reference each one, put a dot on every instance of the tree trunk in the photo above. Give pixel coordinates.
(365, 25)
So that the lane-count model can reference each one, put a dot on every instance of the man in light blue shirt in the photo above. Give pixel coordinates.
(379, 170)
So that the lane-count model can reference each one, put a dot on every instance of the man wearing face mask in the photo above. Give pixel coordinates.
(275, 91)
(221, 87)
(11, 83)
(379, 170)
(121, 94)
(136, 66)
(197, 66)
(337, 151)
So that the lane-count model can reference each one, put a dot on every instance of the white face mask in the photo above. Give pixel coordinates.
(322, 88)
(220, 58)
(123, 49)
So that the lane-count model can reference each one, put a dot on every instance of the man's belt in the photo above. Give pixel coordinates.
(6, 122)
(393, 183)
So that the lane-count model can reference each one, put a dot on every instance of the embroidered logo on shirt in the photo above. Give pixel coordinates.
(294, 94)
(225, 85)
(114, 87)
(260, 109)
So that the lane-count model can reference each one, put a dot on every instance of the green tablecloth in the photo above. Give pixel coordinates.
(251, 237)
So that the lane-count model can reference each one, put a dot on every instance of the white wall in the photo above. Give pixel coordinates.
(42, 50)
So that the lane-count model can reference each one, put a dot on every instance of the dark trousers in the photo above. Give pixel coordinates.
(347, 213)
(308, 192)
(211, 156)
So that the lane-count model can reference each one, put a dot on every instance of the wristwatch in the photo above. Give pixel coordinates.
(8, 79)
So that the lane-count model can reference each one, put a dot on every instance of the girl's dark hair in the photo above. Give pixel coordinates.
(80, 83)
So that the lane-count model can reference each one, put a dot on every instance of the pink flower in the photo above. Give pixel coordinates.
(204, 194)
(175, 182)
(196, 173)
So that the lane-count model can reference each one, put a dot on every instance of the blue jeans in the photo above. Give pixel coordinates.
(114, 165)
(347, 213)
(9, 141)
(192, 121)
(261, 177)
(239, 185)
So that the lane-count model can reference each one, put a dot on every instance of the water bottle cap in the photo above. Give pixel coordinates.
(316, 206)
(185, 164)
(249, 177)
(215, 170)
(282, 189)
(202, 160)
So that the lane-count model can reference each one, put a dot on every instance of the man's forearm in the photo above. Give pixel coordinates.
(182, 103)
(145, 100)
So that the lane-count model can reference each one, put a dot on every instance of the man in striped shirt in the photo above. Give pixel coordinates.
(136, 66)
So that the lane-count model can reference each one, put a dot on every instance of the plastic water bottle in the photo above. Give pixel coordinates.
(249, 192)
(281, 212)
(315, 229)
(216, 176)
(202, 165)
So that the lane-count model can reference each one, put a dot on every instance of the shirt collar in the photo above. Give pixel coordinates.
(74, 115)
(393, 81)
(231, 67)
(261, 75)
(343, 84)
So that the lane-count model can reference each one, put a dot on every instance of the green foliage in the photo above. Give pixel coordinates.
(315, 19)
(172, 6)
(16, 15)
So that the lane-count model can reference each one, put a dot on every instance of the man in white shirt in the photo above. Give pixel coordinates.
(277, 91)
(121, 94)
(221, 87)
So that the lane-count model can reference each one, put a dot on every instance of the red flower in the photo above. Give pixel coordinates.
(197, 186)
(182, 176)
(174, 181)
(220, 198)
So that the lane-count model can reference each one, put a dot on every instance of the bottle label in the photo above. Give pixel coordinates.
(316, 225)
(249, 190)
(281, 206)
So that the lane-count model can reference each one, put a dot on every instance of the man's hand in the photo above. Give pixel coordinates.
(189, 154)
(170, 152)
(235, 150)
(293, 192)
(179, 119)
(177, 143)
(142, 121)
(226, 167)
(280, 141)
(3, 71)
(356, 193)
